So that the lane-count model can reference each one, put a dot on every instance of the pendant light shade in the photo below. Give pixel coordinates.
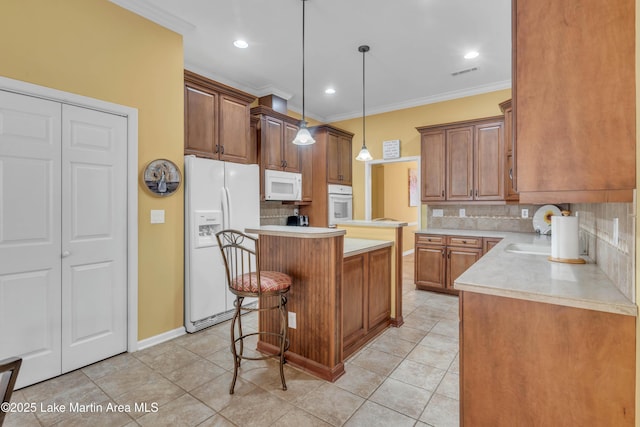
(303, 137)
(364, 154)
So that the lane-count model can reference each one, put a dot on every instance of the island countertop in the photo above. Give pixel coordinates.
(298, 232)
(371, 223)
(535, 278)
(357, 246)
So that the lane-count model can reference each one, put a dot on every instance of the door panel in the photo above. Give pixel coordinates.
(30, 234)
(94, 281)
(460, 163)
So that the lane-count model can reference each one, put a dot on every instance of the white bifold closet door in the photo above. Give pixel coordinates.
(63, 235)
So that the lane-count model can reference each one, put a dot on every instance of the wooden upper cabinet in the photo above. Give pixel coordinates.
(489, 162)
(275, 133)
(463, 161)
(460, 163)
(200, 109)
(216, 120)
(510, 166)
(290, 151)
(338, 159)
(234, 131)
(574, 100)
(432, 152)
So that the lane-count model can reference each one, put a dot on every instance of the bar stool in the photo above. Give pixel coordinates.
(241, 256)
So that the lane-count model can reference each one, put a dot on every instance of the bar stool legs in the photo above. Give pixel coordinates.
(237, 342)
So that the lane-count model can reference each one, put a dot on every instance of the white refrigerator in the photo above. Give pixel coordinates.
(218, 195)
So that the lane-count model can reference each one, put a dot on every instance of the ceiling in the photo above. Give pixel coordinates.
(416, 45)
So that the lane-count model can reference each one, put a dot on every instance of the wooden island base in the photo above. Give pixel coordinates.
(339, 302)
(315, 264)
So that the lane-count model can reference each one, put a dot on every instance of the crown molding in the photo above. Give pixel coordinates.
(154, 13)
(446, 96)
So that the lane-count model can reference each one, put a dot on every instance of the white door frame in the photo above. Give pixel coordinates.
(367, 184)
(24, 88)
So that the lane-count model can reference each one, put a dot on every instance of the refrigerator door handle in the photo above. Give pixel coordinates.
(226, 208)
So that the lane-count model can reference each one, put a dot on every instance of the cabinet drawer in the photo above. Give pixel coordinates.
(466, 242)
(430, 239)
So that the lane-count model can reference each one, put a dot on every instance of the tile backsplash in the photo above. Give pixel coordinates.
(615, 255)
(483, 217)
(275, 213)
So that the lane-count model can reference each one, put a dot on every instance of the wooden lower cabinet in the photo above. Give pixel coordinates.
(366, 297)
(526, 363)
(459, 260)
(439, 260)
(488, 243)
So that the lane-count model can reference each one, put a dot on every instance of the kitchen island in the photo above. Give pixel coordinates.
(318, 299)
(543, 343)
(386, 230)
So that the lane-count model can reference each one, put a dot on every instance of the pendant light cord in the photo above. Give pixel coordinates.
(363, 94)
(303, 7)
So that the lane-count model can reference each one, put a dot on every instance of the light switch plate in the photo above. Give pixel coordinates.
(157, 216)
(525, 213)
(292, 320)
(462, 213)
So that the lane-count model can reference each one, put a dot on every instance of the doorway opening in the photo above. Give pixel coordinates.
(392, 191)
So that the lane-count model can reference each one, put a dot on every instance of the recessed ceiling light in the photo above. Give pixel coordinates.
(471, 55)
(330, 91)
(241, 44)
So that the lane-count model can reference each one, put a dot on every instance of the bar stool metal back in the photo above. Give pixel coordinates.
(241, 256)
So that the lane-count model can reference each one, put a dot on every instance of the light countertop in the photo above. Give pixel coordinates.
(367, 223)
(298, 232)
(358, 246)
(535, 278)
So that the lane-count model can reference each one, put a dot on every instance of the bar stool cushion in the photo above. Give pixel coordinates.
(271, 281)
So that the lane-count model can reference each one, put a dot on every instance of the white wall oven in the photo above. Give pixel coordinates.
(340, 203)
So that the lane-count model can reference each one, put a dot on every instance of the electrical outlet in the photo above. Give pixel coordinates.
(525, 213)
(437, 213)
(292, 320)
(296, 211)
(462, 213)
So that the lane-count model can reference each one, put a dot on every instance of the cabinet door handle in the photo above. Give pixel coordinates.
(449, 255)
(511, 174)
(443, 253)
(285, 164)
(222, 149)
(464, 242)
(442, 193)
(476, 193)
(216, 149)
(470, 193)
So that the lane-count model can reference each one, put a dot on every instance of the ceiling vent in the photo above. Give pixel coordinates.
(468, 70)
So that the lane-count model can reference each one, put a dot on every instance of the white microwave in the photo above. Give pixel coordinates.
(280, 185)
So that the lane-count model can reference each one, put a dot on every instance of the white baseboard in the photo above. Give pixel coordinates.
(163, 337)
(409, 252)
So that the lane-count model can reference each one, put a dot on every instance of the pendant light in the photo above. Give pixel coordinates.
(364, 154)
(303, 137)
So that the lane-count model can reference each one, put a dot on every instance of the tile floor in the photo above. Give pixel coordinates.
(407, 376)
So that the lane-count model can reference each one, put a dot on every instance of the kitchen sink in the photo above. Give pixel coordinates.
(528, 248)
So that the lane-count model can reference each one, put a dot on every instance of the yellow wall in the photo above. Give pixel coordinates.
(401, 124)
(396, 199)
(97, 49)
(637, 271)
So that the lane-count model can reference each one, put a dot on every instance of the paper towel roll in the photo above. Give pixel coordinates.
(564, 238)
